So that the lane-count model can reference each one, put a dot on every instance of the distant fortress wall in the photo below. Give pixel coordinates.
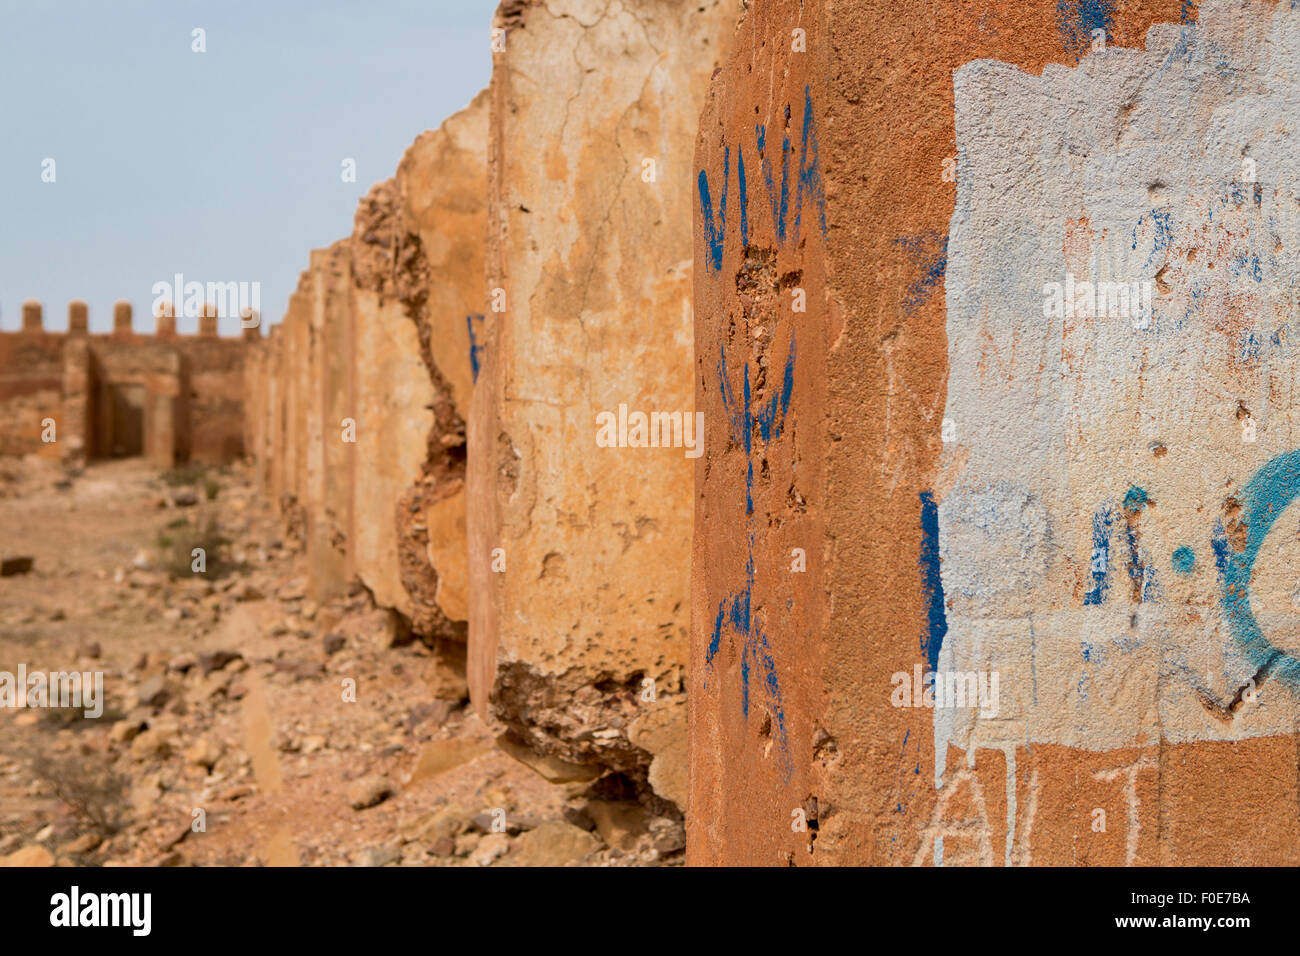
(75, 396)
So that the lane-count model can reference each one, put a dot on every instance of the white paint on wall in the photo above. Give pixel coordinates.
(1128, 168)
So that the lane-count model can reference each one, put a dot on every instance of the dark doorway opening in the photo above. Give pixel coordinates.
(122, 420)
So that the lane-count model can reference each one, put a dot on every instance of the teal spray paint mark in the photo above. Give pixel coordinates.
(1268, 493)
(1079, 19)
(1100, 564)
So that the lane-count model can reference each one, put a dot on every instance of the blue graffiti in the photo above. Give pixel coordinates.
(767, 419)
(810, 172)
(1271, 490)
(475, 350)
(1247, 265)
(1235, 194)
(1078, 19)
(734, 611)
(1162, 224)
(808, 183)
(1141, 570)
(1221, 549)
(780, 207)
(1248, 348)
(1101, 525)
(932, 582)
(714, 235)
(744, 197)
(930, 253)
(1135, 499)
(765, 423)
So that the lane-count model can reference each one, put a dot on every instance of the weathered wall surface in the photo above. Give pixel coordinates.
(1141, 518)
(31, 385)
(256, 411)
(924, 472)
(442, 194)
(394, 395)
(284, 410)
(154, 370)
(331, 513)
(362, 390)
(215, 371)
(932, 454)
(579, 554)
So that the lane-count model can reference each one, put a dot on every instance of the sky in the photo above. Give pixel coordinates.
(225, 165)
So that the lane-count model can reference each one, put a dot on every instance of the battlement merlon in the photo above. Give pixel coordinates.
(33, 322)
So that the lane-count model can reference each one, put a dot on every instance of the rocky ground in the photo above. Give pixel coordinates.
(243, 724)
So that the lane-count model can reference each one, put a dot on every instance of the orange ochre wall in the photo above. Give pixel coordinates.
(829, 421)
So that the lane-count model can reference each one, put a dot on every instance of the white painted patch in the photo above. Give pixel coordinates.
(1126, 169)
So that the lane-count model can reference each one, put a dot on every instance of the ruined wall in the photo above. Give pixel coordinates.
(329, 506)
(394, 396)
(935, 468)
(156, 372)
(186, 392)
(361, 391)
(31, 385)
(417, 266)
(299, 393)
(214, 368)
(579, 554)
(442, 194)
(255, 409)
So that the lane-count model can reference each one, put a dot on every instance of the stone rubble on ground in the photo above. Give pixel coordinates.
(428, 784)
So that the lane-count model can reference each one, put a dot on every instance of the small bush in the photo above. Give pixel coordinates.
(87, 784)
(184, 475)
(177, 550)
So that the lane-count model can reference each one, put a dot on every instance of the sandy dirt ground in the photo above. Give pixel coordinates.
(242, 723)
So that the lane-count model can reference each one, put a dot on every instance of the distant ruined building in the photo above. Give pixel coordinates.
(78, 396)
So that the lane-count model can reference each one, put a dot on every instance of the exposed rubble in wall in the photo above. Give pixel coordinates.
(417, 243)
(363, 391)
(389, 260)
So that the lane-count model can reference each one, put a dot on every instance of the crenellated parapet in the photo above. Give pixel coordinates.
(33, 322)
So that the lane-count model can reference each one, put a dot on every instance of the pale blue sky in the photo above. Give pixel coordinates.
(224, 165)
